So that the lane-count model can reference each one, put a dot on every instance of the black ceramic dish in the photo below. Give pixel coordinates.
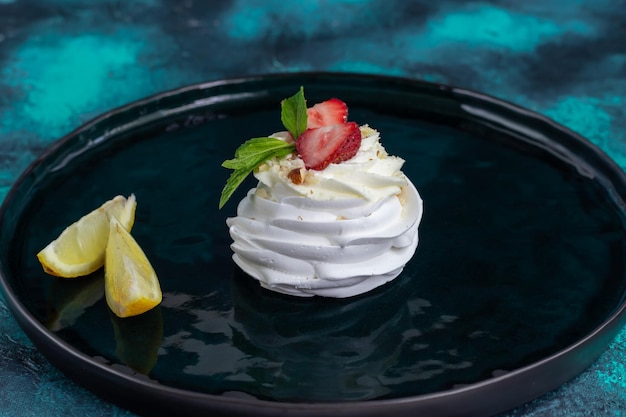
(517, 285)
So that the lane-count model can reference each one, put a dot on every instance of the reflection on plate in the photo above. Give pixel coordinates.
(517, 286)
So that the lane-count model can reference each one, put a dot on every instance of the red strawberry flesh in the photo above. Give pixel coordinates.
(327, 113)
(322, 146)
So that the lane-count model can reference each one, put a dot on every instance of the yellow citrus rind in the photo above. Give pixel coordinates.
(131, 286)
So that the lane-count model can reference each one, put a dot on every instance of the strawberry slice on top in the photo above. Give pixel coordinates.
(327, 113)
(319, 147)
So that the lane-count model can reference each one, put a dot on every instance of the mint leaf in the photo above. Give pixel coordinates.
(293, 113)
(234, 180)
(248, 156)
(251, 150)
(255, 151)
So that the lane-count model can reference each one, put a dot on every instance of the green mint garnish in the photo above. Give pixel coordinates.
(248, 156)
(293, 113)
(254, 152)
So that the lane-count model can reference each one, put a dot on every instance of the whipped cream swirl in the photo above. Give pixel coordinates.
(338, 232)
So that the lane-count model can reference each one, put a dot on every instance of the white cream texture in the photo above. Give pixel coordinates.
(343, 231)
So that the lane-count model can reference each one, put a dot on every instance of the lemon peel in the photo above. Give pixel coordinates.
(131, 286)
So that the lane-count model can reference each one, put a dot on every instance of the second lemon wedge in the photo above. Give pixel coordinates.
(79, 249)
(131, 286)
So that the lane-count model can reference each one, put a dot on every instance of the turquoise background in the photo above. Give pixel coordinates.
(63, 62)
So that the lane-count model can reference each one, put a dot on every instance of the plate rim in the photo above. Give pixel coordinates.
(56, 349)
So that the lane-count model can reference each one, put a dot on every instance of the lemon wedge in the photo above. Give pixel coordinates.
(79, 249)
(131, 286)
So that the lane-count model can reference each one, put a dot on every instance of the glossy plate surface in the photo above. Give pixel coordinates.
(517, 285)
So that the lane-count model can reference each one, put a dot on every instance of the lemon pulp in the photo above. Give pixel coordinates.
(80, 248)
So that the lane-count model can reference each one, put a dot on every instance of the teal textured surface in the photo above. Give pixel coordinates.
(63, 62)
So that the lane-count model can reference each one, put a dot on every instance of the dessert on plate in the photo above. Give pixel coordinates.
(332, 215)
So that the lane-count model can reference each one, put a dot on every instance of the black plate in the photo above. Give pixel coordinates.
(517, 285)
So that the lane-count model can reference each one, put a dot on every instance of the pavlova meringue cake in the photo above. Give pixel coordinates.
(332, 215)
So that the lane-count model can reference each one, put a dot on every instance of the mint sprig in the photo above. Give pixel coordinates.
(253, 152)
(293, 113)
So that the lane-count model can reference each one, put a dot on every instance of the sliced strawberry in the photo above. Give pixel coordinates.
(326, 145)
(326, 113)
